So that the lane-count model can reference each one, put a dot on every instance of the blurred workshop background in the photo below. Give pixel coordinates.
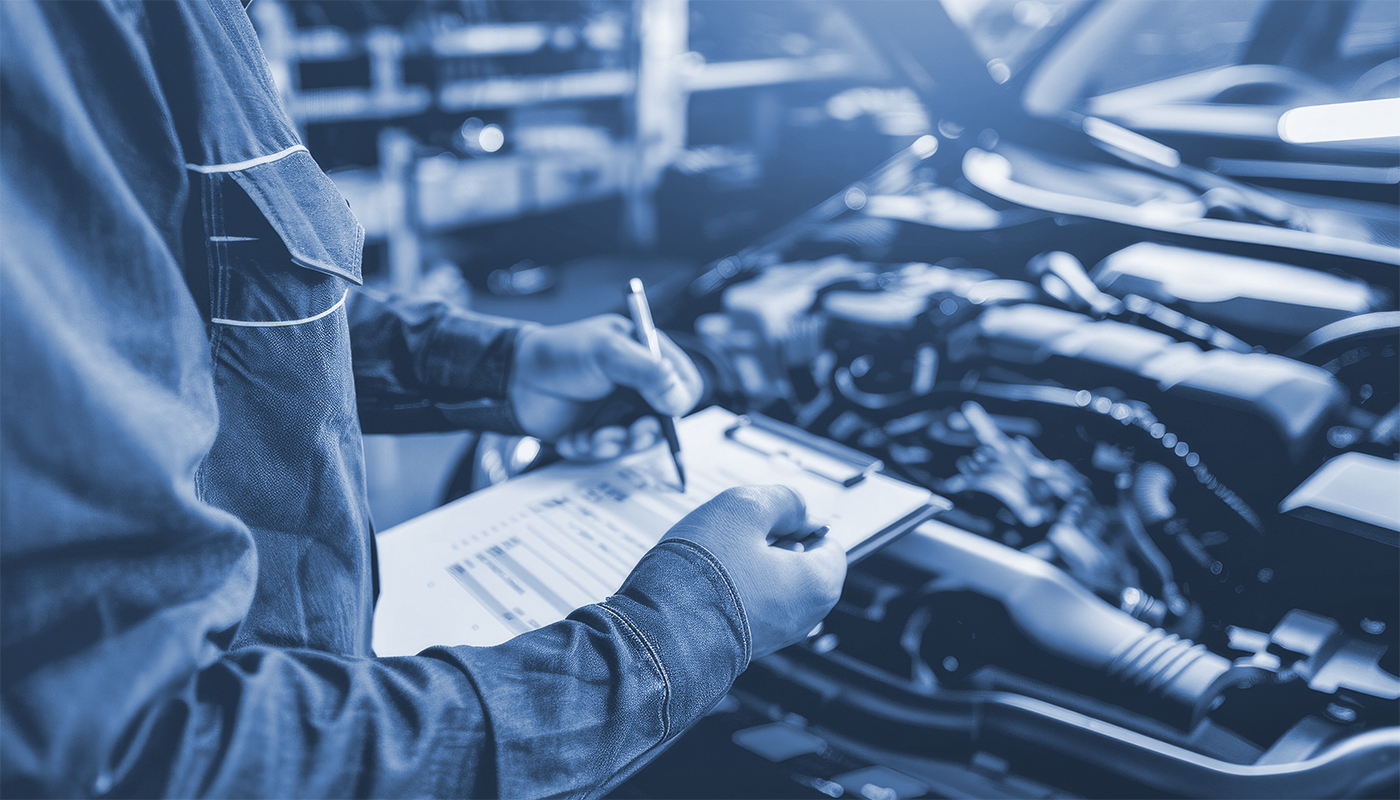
(524, 157)
(1118, 277)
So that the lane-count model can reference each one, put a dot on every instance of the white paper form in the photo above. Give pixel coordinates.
(525, 553)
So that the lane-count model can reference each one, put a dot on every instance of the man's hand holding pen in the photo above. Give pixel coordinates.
(787, 575)
(560, 371)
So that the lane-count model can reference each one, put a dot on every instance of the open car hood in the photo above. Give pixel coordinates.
(923, 43)
(1088, 170)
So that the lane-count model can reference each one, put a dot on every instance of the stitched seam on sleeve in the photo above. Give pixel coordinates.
(728, 584)
(637, 634)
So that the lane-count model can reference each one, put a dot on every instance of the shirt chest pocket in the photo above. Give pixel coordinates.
(283, 246)
(283, 251)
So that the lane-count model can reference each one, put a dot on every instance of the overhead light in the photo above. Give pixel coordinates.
(1341, 122)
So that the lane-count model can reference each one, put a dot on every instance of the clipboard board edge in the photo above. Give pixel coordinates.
(894, 530)
(833, 449)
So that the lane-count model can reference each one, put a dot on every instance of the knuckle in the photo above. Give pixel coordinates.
(768, 504)
(781, 502)
(834, 593)
(790, 498)
(741, 494)
(824, 582)
(741, 500)
(612, 323)
(731, 505)
(615, 348)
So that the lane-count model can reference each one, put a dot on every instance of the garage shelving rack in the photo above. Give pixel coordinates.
(636, 53)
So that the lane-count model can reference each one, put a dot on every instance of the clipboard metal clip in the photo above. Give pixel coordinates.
(821, 457)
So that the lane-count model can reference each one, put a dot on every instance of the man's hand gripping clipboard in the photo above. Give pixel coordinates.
(525, 553)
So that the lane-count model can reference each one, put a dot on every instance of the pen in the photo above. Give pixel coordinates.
(646, 334)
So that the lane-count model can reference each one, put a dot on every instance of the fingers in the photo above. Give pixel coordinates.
(628, 362)
(784, 593)
(597, 445)
(644, 433)
(783, 590)
(683, 397)
(671, 385)
(567, 446)
(609, 442)
(558, 370)
(748, 513)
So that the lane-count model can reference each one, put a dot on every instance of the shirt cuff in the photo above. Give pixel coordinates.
(487, 377)
(682, 604)
(474, 354)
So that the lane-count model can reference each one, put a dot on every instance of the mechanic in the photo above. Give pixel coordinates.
(187, 552)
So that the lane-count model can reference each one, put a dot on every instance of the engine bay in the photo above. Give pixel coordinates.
(1171, 566)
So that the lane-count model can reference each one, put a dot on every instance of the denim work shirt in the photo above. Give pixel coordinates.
(187, 551)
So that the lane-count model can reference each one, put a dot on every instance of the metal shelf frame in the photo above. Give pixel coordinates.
(406, 197)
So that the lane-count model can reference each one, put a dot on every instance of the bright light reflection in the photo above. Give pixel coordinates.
(1341, 122)
(491, 138)
(526, 450)
(1132, 141)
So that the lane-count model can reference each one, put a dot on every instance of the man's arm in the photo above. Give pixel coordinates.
(120, 589)
(424, 365)
(149, 706)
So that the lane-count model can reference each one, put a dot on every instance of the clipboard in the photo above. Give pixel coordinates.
(525, 553)
(831, 461)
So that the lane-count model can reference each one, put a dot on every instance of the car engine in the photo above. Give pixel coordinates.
(1170, 567)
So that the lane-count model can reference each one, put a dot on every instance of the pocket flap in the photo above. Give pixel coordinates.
(308, 213)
